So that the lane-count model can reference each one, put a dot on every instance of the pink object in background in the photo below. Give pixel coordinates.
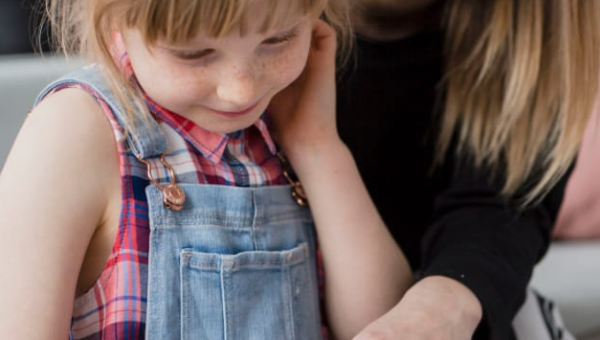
(579, 216)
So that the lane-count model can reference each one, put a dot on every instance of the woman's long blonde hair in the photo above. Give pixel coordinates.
(521, 82)
(86, 28)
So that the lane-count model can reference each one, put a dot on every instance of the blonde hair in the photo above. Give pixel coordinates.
(521, 81)
(86, 27)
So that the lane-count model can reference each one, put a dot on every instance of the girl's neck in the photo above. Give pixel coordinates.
(383, 23)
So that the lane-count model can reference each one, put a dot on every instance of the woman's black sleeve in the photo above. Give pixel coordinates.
(487, 243)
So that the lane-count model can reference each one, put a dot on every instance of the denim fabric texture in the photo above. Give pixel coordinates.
(238, 263)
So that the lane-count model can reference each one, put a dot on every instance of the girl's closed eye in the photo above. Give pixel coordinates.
(283, 38)
(192, 55)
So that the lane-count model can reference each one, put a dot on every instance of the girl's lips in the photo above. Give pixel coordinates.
(238, 113)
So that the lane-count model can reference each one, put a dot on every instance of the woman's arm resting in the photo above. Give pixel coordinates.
(434, 308)
(482, 246)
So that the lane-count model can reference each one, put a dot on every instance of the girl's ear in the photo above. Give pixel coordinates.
(117, 44)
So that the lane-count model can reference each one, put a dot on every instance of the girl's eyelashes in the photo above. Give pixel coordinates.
(290, 35)
(193, 55)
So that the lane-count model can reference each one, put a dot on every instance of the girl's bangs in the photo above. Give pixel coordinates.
(178, 21)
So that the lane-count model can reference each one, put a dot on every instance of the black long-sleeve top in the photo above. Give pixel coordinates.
(450, 221)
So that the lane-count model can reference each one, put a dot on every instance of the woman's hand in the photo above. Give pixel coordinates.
(304, 112)
(435, 308)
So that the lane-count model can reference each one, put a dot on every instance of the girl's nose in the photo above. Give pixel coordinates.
(239, 89)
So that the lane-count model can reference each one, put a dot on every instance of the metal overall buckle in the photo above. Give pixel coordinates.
(173, 194)
(298, 193)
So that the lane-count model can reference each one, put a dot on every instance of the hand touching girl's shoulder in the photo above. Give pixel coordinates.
(56, 188)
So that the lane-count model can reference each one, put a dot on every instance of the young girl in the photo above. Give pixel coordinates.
(185, 227)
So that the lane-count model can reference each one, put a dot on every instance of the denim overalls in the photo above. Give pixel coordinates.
(234, 263)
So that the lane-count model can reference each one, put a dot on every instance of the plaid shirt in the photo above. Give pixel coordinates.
(115, 307)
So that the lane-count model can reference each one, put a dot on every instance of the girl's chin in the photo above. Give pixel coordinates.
(223, 123)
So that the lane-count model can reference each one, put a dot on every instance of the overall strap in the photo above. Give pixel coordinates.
(144, 136)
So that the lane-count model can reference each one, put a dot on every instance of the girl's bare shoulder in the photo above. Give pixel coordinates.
(67, 140)
(68, 136)
(70, 115)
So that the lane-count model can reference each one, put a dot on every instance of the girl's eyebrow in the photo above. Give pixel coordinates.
(291, 27)
(288, 30)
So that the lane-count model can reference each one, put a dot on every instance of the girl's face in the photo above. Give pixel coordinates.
(224, 84)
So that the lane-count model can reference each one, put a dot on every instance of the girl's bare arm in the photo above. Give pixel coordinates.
(366, 273)
(54, 190)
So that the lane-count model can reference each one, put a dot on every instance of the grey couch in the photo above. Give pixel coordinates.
(570, 273)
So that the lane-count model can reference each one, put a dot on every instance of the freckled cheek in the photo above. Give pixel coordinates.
(178, 91)
(287, 69)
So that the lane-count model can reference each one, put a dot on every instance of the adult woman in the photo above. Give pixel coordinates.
(515, 82)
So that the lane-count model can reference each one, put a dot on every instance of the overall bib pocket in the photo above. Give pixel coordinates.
(248, 295)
